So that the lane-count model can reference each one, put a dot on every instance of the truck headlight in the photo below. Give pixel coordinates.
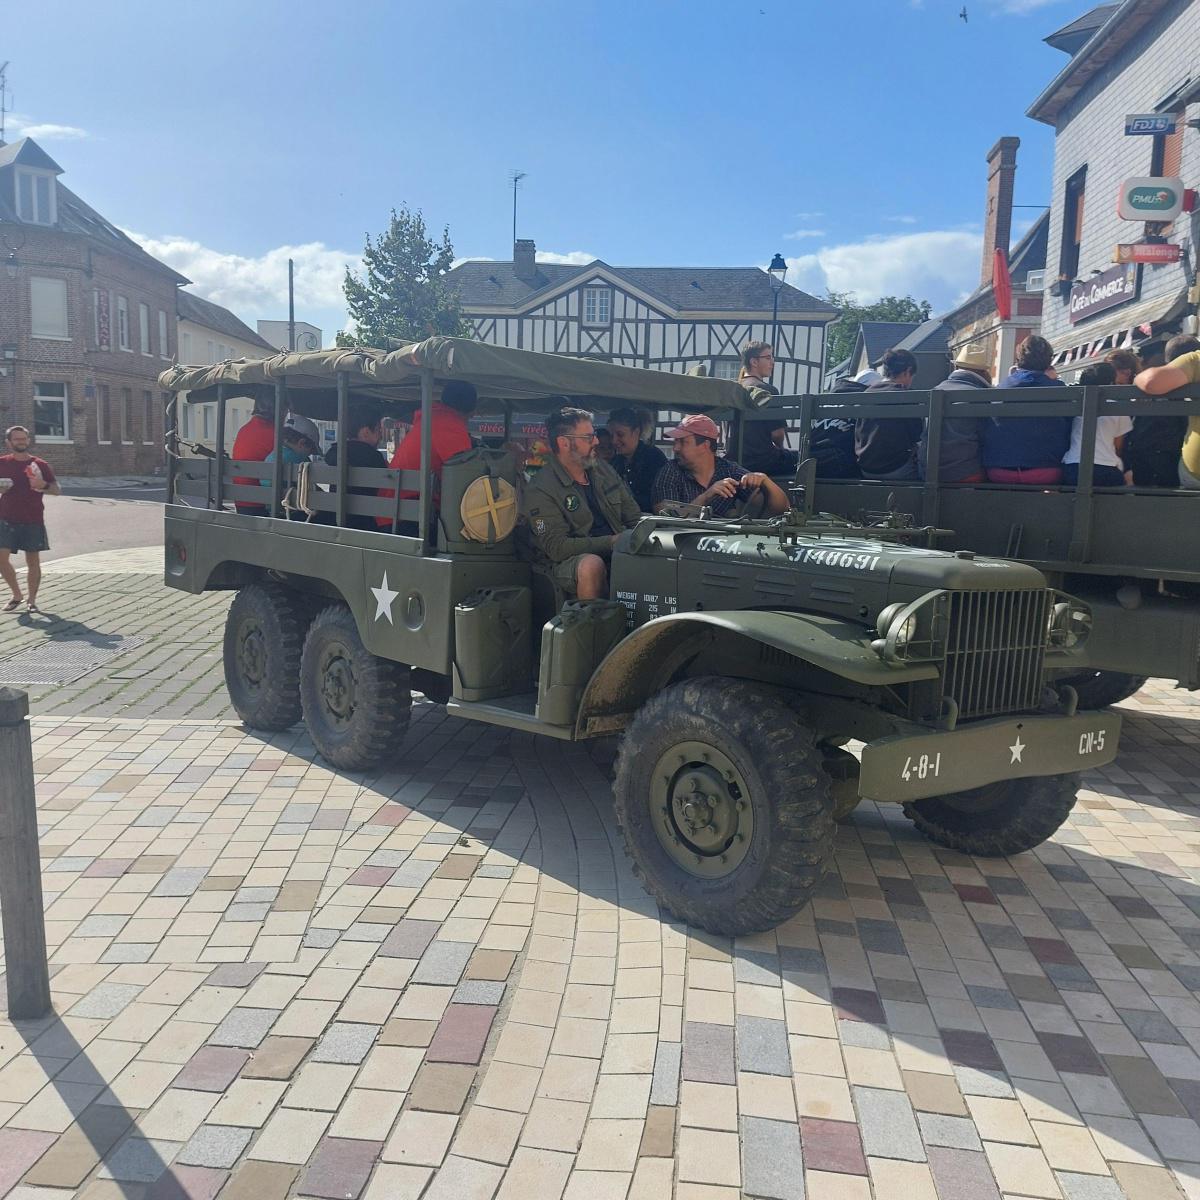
(1067, 625)
(886, 626)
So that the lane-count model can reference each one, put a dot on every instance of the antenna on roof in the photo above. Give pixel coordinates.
(514, 179)
(3, 98)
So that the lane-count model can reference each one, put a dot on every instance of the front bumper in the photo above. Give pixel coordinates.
(912, 766)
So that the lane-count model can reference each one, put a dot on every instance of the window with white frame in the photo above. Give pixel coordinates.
(726, 368)
(48, 307)
(103, 414)
(164, 346)
(144, 329)
(127, 415)
(36, 199)
(147, 418)
(123, 323)
(212, 352)
(597, 306)
(185, 347)
(51, 418)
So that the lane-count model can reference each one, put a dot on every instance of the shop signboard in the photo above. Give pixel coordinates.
(1117, 285)
(1149, 198)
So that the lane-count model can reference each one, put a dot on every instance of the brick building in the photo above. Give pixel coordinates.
(1138, 57)
(87, 322)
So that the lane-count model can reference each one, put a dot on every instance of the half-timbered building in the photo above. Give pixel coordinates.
(665, 318)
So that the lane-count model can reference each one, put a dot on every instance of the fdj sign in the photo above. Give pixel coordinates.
(1149, 123)
(1150, 199)
(1102, 292)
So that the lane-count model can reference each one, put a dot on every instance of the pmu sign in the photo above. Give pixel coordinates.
(1148, 198)
(1149, 123)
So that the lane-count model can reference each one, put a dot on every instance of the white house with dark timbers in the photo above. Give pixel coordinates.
(665, 318)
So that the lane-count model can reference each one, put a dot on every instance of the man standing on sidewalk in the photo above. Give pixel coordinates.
(24, 480)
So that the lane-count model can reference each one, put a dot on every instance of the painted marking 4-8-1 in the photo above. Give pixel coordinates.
(925, 766)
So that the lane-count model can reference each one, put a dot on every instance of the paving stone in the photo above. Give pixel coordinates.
(962, 1175)
(138, 1160)
(772, 1163)
(211, 1069)
(346, 1042)
(1143, 1085)
(490, 964)
(762, 1046)
(106, 1000)
(658, 1133)
(1070, 1053)
(410, 939)
(441, 1087)
(180, 881)
(442, 963)
(664, 1088)
(340, 1168)
(466, 1179)
(402, 1031)
(1089, 1187)
(461, 1034)
(235, 974)
(73, 1156)
(858, 1004)
(215, 1146)
(478, 991)
(708, 1055)
(261, 1181)
(889, 1128)
(277, 1057)
(970, 1048)
(19, 1149)
(832, 1146)
(244, 1027)
(188, 1183)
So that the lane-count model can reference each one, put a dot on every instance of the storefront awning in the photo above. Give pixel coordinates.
(1127, 329)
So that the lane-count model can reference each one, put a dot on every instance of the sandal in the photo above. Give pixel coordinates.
(30, 607)
(13, 604)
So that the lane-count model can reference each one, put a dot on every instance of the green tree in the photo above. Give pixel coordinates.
(405, 296)
(844, 330)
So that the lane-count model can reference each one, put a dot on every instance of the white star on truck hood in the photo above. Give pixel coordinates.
(384, 596)
(1015, 750)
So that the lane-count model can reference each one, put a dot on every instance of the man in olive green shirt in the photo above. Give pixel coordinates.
(1178, 373)
(576, 507)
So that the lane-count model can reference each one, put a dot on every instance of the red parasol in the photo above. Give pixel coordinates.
(1002, 285)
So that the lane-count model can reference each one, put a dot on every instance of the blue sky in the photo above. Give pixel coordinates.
(850, 136)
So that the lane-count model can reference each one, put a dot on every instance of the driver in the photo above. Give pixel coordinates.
(699, 477)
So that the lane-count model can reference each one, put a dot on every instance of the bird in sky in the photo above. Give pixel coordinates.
(963, 14)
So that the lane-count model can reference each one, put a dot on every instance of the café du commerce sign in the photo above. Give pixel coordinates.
(1104, 291)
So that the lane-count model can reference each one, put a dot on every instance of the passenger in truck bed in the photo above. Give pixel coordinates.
(366, 421)
(1110, 436)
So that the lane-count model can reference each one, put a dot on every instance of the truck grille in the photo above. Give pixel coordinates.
(994, 651)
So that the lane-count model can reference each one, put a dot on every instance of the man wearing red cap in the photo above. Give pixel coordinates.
(576, 507)
(699, 477)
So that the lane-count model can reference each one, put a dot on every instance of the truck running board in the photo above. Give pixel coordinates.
(513, 712)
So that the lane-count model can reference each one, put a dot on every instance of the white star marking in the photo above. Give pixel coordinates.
(384, 596)
(1015, 750)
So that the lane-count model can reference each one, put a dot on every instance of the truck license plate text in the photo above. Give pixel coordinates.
(925, 766)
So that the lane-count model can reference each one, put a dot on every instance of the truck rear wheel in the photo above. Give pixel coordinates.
(356, 705)
(1007, 817)
(264, 637)
(724, 805)
(1099, 689)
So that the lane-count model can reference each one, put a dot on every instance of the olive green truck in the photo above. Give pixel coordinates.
(736, 659)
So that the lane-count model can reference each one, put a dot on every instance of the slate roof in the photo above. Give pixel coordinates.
(1072, 36)
(191, 307)
(880, 337)
(74, 215)
(733, 289)
(928, 338)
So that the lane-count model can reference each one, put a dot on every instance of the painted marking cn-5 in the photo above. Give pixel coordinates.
(1091, 742)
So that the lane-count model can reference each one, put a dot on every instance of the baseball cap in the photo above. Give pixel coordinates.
(698, 425)
(304, 427)
(868, 377)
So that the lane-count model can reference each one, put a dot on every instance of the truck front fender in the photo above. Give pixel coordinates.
(650, 657)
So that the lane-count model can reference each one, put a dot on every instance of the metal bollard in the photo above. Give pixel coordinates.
(26, 970)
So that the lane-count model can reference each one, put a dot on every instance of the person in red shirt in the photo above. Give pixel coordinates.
(254, 441)
(24, 480)
(449, 436)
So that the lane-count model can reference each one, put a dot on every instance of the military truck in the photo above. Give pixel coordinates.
(736, 658)
(1132, 554)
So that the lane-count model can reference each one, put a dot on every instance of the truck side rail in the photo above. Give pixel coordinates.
(1134, 531)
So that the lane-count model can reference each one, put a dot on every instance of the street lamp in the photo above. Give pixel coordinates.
(778, 273)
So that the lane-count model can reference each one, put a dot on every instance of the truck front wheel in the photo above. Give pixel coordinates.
(1008, 817)
(1099, 689)
(724, 804)
(264, 637)
(356, 705)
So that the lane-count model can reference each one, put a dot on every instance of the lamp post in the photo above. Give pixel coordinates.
(778, 272)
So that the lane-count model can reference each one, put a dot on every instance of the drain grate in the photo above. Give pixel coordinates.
(65, 661)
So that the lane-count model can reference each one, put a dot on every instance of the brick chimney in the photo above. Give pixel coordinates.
(524, 267)
(997, 220)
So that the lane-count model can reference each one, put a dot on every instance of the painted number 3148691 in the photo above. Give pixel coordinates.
(924, 766)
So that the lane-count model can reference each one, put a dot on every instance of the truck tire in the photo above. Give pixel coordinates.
(356, 705)
(264, 637)
(1099, 689)
(1008, 817)
(724, 805)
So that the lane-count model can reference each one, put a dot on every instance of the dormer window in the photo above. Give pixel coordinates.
(36, 199)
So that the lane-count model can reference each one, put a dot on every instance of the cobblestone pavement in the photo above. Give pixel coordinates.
(442, 981)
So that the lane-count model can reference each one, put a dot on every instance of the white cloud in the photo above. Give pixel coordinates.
(809, 216)
(574, 258)
(804, 233)
(1021, 7)
(903, 219)
(253, 286)
(941, 266)
(21, 126)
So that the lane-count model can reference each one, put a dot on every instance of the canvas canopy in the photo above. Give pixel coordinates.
(501, 375)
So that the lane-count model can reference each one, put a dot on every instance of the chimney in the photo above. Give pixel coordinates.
(997, 221)
(523, 260)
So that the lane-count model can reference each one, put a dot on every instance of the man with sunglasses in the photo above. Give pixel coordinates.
(576, 507)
